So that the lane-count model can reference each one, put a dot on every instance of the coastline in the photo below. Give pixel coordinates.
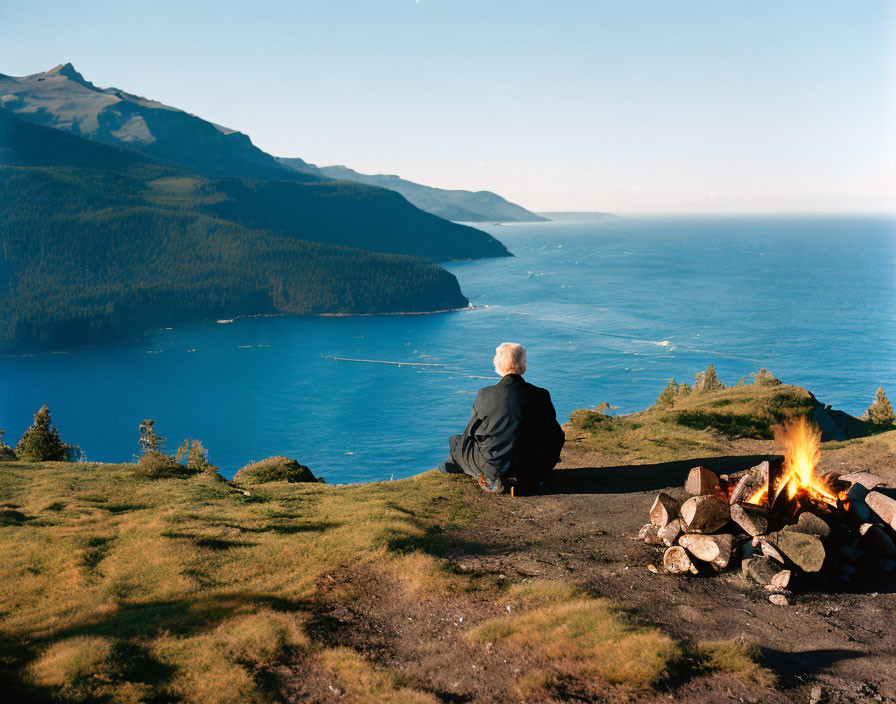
(228, 321)
(370, 315)
(348, 315)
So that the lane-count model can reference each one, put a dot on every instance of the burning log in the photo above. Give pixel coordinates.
(704, 514)
(883, 506)
(753, 519)
(702, 482)
(795, 517)
(676, 561)
(715, 549)
(750, 483)
(803, 550)
(664, 510)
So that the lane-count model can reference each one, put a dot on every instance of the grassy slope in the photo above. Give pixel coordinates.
(703, 424)
(121, 588)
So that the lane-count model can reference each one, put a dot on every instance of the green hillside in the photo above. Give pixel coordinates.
(92, 254)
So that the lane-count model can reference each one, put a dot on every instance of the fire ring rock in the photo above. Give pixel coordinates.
(804, 550)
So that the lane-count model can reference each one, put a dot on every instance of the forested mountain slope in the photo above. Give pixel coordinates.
(91, 254)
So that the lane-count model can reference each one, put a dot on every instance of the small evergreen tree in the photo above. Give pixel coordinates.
(667, 396)
(149, 440)
(196, 456)
(41, 442)
(6, 452)
(710, 381)
(881, 411)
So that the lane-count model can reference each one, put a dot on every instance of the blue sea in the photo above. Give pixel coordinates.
(608, 309)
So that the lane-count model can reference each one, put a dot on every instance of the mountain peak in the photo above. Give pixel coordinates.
(68, 71)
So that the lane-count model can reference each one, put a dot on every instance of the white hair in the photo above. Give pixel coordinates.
(510, 358)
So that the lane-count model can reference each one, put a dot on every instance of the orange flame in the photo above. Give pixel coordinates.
(760, 496)
(802, 451)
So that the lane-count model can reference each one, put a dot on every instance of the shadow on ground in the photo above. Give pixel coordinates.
(626, 479)
(807, 662)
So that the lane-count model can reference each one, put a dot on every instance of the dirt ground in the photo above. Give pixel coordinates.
(835, 636)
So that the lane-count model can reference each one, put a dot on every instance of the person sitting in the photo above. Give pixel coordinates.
(513, 437)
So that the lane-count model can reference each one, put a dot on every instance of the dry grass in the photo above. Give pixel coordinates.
(119, 586)
(743, 660)
(877, 450)
(700, 425)
(592, 636)
(364, 683)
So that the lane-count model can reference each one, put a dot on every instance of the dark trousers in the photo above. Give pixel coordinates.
(463, 461)
(525, 475)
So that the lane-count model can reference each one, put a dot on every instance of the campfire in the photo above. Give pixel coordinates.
(781, 521)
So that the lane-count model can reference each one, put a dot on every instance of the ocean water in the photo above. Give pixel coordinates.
(609, 311)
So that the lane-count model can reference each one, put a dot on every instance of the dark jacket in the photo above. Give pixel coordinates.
(513, 431)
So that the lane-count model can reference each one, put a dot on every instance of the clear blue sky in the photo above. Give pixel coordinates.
(648, 106)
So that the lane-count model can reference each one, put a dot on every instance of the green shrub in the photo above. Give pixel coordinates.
(708, 381)
(196, 457)
(157, 465)
(591, 420)
(41, 442)
(274, 469)
(731, 424)
(6, 452)
(668, 395)
(881, 411)
(786, 405)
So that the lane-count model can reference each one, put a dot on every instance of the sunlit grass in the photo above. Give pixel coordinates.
(699, 425)
(198, 581)
(735, 657)
(594, 636)
(365, 683)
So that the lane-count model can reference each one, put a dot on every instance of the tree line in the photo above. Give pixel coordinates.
(89, 256)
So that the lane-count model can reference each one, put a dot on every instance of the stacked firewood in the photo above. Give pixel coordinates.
(730, 521)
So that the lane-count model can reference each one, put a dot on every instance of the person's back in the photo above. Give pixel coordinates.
(513, 436)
